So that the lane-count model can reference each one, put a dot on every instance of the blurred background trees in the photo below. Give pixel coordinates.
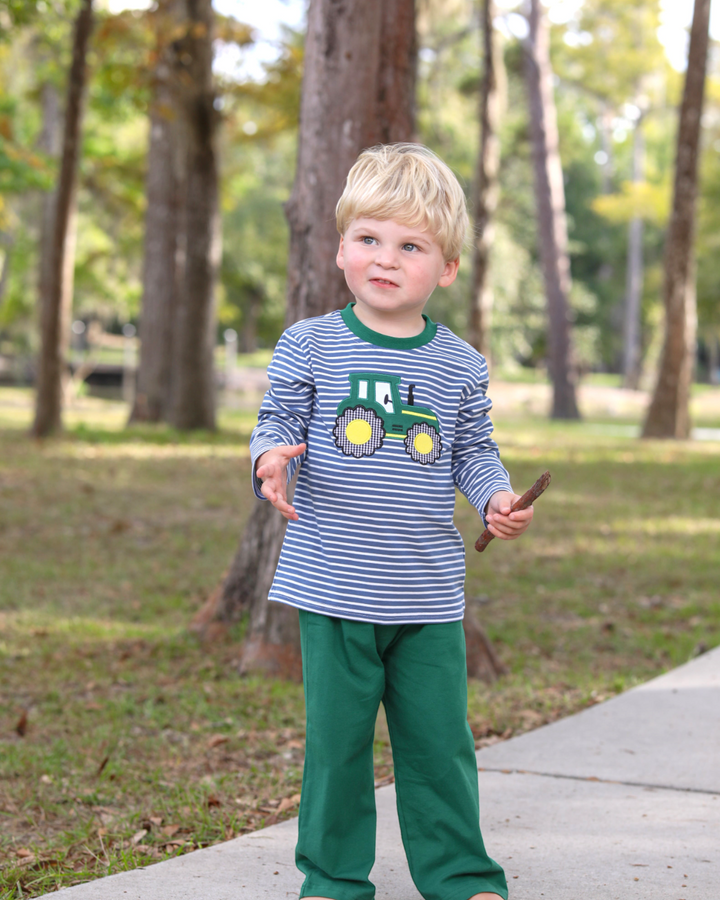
(149, 251)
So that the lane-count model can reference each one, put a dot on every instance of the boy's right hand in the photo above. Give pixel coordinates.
(271, 469)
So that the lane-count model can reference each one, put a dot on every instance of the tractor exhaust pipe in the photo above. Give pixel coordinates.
(411, 396)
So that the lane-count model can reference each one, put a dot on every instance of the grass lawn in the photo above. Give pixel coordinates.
(122, 741)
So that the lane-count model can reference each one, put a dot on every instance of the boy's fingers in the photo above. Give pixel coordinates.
(271, 491)
(290, 451)
(503, 533)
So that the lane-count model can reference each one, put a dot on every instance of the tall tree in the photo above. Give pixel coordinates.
(56, 274)
(193, 401)
(161, 276)
(358, 90)
(669, 412)
(632, 344)
(617, 60)
(487, 184)
(550, 198)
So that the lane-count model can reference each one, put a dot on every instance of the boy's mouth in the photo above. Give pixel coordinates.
(382, 282)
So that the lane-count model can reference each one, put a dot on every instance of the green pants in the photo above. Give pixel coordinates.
(418, 673)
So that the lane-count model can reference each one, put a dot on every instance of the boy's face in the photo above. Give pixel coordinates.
(392, 268)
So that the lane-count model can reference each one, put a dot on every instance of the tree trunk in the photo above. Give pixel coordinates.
(552, 222)
(56, 273)
(714, 358)
(251, 312)
(669, 412)
(482, 660)
(632, 351)
(8, 242)
(193, 381)
(487, 184)
(606, 169)
(161, 277)
(358, 90)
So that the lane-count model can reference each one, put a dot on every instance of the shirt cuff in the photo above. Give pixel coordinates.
(257, 448)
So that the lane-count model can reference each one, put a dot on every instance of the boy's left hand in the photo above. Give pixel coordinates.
(503, 523)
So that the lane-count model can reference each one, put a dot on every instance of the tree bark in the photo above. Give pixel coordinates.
(358, 90)
(56, 273)
(487, 183)
(552, 222)
(482, 660)
(161, 276)
(632, 350)
(669, 412)
(8, 242)
(193, 381)
(714, 358)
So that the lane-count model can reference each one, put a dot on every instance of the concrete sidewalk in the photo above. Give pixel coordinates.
(620, 801)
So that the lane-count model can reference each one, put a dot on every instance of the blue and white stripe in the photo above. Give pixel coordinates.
(375, 540)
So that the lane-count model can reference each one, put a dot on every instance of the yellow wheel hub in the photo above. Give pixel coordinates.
(423, 443)
(358, 432)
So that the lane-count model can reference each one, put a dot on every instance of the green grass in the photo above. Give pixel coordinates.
(123, 741)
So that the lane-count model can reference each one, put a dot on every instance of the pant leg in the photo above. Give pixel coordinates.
(436, 776)
(344, 682)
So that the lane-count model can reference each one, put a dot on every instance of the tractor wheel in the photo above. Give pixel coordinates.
(423, 444)
(359, 432)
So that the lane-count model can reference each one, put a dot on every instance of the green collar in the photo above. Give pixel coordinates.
(386, 340)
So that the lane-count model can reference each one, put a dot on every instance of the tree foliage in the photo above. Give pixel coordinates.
(607, 59)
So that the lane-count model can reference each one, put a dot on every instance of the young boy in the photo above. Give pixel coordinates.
(387, 413)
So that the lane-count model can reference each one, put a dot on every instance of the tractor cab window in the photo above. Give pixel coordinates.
(362, 390)
(383, 395)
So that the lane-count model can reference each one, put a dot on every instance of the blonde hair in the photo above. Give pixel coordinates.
(407, 182)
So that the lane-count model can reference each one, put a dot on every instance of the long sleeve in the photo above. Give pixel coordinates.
(477, 470)
(286, 408)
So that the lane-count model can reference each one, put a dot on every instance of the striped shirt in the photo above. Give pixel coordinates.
(393, 426)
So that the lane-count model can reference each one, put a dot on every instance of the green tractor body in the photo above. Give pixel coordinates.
(374, 411)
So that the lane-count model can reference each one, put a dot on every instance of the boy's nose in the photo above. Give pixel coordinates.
(386, 257)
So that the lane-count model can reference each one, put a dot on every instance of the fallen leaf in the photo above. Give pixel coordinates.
(271, 820)
(46, 779)
(23, 852)
(101, 832)
(92, 706)
(118, 526)
(286, 803)
(170, 830)
(103, 762)
(21, 727)
(156, 820)
(216, 740)
(212, 800)
(138, 836)
(294, 745)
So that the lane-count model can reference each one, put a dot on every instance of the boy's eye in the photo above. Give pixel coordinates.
(410, 247)
(368, 240)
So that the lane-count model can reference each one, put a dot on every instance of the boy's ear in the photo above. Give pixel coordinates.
(449, 273)
(340, 258)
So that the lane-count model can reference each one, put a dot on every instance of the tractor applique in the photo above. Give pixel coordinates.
(374, 411)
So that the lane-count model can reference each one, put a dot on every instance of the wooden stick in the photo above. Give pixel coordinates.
(527, 499)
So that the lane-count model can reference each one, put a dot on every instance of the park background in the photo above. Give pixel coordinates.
(149, 701)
